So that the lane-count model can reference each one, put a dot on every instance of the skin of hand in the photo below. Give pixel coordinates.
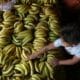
(54, 62)
(71, 61)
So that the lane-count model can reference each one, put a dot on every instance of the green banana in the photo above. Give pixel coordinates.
(31, 68)
(36, 66)
(8, 71)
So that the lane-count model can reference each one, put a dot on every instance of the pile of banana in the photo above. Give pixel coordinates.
(30, 21)
(28, 27)
(8, 18)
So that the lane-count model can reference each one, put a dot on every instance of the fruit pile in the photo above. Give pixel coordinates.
(28, 27)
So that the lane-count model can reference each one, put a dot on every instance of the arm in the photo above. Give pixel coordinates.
(42, 50)
(71, 61)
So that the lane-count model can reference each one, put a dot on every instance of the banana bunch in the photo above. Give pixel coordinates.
(5, 38)
(22, 68)
(35, 77)
(49, 1)
(8, 70)
(48, 10)
(22, 9)
(27, 1)
(29, 21)
(48, 71)
(54, 24)
(28, 47)
(43, 17)
(16, 41)
(18, 52)
(18, 27)
(24, 36)
(9, 49)
(40, 35)
(5, 30)
(35, 9)
(52, 36)
(43, 67)
(9, 18)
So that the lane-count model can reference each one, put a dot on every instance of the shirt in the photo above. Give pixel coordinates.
(73, 50)
(7, 6)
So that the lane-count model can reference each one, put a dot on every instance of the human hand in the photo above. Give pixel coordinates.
(54, 62)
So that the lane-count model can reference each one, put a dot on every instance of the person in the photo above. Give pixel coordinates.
(6, 5)
(70, 40)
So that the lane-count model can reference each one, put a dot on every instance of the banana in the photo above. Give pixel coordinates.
(23, 55)
(34, 6)
(36, 66)
(41, 66)
(29, 25)
(19, 68)
(15, 61)
(34, 12)
(46, 70)
(10, 18)
(18, 27)
(49, 67)
(26, 48)
(31, 68)
(6, 14)
(9, 49)
(22, 8)
(1, 56)
(4, 42)
(16, 41)
(8, 71)
(27, 39)
(24, 34)
(50, 58)
(35, 77)
(25, 69)
(18, 52)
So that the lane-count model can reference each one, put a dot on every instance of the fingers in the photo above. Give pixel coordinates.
(54, 62)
